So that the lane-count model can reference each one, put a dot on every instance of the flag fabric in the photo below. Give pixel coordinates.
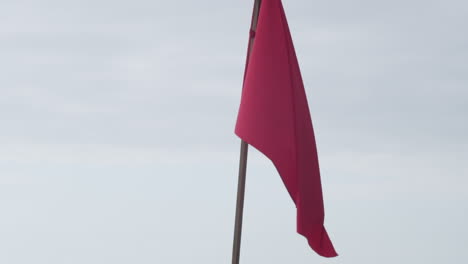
(274, 118)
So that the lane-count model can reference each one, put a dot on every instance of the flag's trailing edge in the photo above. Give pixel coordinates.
(274, 118)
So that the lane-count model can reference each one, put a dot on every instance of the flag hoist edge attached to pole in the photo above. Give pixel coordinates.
(243, 156)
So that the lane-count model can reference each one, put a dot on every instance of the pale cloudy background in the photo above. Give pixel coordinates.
(117, 144)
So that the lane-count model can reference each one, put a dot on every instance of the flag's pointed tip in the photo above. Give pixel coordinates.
(321, 243)
(325, 250)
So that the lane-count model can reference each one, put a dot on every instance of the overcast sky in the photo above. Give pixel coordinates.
(117, 143)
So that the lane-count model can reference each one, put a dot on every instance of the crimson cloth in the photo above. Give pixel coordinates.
(274, 118)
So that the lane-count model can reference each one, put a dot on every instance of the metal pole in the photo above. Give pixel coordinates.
(240, 203)
(243, 162)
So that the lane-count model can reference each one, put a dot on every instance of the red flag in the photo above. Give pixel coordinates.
(274, 118)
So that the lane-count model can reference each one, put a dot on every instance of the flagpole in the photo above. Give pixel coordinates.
(243, 160)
